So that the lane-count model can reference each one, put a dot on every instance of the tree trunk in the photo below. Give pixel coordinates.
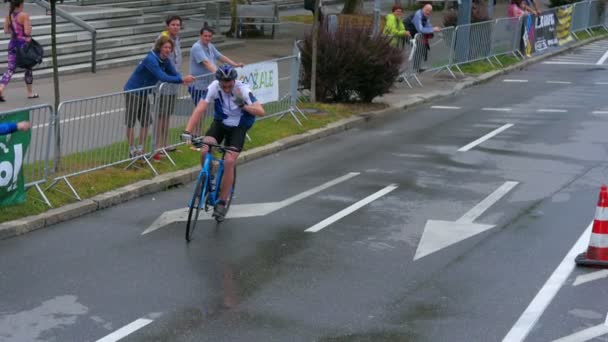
(232, 31)
(57, 162)
(315, 41)
(353, 7)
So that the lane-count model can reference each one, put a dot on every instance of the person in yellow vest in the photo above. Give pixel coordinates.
(394, 26)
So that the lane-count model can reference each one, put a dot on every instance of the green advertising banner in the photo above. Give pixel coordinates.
(12, 152)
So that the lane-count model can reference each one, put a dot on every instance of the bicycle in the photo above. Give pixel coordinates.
(207, 190)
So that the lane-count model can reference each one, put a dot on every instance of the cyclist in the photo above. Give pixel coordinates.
(235, 112)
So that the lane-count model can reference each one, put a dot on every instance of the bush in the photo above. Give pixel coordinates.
(352, 65)
(479, 13)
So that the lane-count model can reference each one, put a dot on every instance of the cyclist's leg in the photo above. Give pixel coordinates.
(214, 135)
(235, 138)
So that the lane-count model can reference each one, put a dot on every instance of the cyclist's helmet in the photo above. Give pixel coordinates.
(226, 73)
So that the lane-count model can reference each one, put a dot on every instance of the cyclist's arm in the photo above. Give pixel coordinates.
(255, 109)
(230, 61)
(197, 113)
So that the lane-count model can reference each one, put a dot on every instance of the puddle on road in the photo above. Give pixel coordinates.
(32, 324)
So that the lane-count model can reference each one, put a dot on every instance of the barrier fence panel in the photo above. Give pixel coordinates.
(95, 132)
(473, 43)
(580, 18)
(506, 37)
(433, 53)
(175, 105)
(36, 161)
(596, 14)
(407, 70)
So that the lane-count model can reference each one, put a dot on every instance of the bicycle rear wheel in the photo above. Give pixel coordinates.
(195, 205)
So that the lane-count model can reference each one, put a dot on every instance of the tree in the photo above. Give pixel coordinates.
(55, 82)
(353, 7)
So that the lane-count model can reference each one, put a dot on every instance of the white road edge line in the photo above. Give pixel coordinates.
(497, 109)
(351, 209)
(603, 59)
(559, 82)
(569, 63)
(126, 330)
(444, 107)
(601, 83)
(543, 298)
(485, 137)
(586, 334)
(600, 112)
(585, 278)
(515, 81)
(551, 110)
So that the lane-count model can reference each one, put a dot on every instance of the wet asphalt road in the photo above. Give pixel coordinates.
(265, 279)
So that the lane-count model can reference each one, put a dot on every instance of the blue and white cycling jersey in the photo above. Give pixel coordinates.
(226, 109)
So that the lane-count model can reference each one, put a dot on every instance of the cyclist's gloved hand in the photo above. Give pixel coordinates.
(239, 99)
(186, 137)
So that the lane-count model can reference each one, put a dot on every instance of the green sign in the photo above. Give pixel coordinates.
(12, 152)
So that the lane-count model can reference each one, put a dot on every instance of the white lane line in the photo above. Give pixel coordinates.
(485, 137)
(444, 107)
(515, 81)
(585, 278)
(126, 330)
(351, 209)
(600, 112)
(601, 83)
(603, 59)
(587, 334)
(551, 110)
(558, 82)
(543, 298)
(497, 109)
(83, 117)
(569, 63)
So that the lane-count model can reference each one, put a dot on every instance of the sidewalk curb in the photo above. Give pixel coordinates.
(166, 181)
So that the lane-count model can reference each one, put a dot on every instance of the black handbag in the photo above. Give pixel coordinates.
(30, 54)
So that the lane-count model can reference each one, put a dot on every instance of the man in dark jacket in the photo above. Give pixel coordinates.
(419, 22)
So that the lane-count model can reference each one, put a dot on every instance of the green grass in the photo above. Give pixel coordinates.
(583, 35)
(484, 66)
(302, 18)
(97, 182)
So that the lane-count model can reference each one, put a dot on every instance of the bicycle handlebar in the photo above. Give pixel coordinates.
(198, 142)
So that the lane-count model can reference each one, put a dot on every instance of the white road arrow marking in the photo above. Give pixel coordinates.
(440, 234)
(585, 278)
(244, 210)
(587, 334)
(351, 209)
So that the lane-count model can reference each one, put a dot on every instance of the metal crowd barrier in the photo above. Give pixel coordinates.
(94, 132)
(37, 160)
(506, 37)
(433, 54)
(580, 18)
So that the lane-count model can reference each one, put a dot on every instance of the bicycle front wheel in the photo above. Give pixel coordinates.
(195, 205)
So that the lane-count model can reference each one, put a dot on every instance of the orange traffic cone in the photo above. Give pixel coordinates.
(597, 252)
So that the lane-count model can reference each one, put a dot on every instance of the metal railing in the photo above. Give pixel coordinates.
(81, 23)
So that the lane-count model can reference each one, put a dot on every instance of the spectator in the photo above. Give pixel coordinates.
(10, 127)
(203, 60)
(419, 22)
(155, 67)
(168, 95)
(530, 6)
(18, 24)
(394, 26)
(514, 10)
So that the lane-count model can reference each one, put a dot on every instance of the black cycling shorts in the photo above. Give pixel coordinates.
(234, 136)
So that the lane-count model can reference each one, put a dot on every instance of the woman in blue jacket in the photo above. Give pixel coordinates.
(155, 67)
